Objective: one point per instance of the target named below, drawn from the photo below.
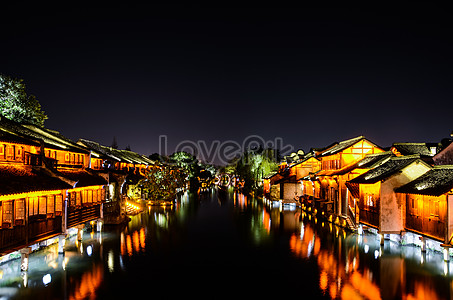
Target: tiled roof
(435, 182)
(338, 147)
(52, 139)
(11, 137)
(270, 175)
(117, 154)
(22, 179)
(82, 178)
(415, 148)
(303, 159)
(386, 169)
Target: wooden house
(56, 151)
(350, 172)
(18, 150)
(335, 172)
(379, 206)
(31, 205)
(429, 204)
(39, 171)
(119, 162)
(294, 185)
(101, 157)
(287, 182)
(86, 197)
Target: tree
(195, 170)
(162, 182)
(253, 165)
(16, 105)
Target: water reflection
(357, 267)
(213, 238)
(88, 283)
(133, 242)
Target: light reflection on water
(221, 234)
(358, 267)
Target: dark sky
(307, 76)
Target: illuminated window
(2, 149)
(84, 197)
(371, 202)
(31, 206)
(19, 210)
(95, 196)
(58, 204)
(50, 205)
(35, 205)
(7, 209)
(66, 157)
(9, 151)
(90, 196)
(78, 199)
(42, 205)
(19, 153)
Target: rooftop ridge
(440, 167)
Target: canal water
(215, 245)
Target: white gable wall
(392, 207)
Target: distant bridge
(226, 180)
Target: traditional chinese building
(125, 167)
(429, 204)
(379, 206)
(338, 163)
(40, 170)
(32, 204)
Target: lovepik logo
(224, 152)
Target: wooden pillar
(61, 243)
(446, 251)
(423, 239)
(80, 232)
(99, 224)
(24, 254)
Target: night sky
(307, 76)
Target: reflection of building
(354, 267)
(355, 182)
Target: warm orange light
(88, 284)
(142, 238)
(136, 241)
(323, 281)
(30, 194)
(129, 245)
